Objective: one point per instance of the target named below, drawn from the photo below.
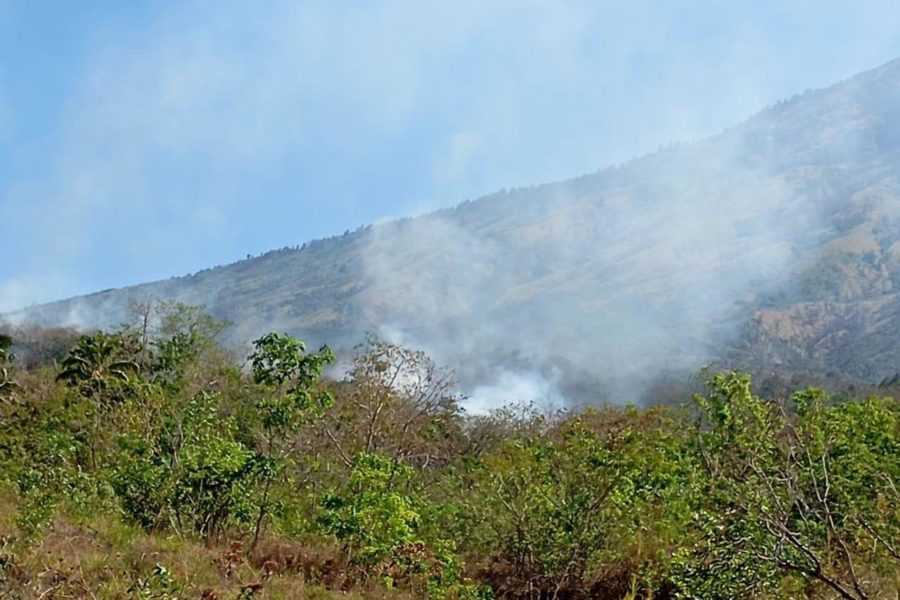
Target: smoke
(183, 137)
(19, 292)
(14, 294)
(201, 135)
(594, 289)
(515, 388)
(585, 291)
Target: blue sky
(140, 140)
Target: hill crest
(774, 245)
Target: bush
(808, 496)
(554, 515)
(193, 474)
(398, 493)
(372, 516)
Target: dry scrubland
(149, 463)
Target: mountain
(773, 246)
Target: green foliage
(810, 495)
(290, 399)
(51, 478)
(556, 511)
(141, 481)
(100, 366)
(5, 348)
(193, 474)
(186, 333)
(172, 356)
(7, 385)
(160, 584)
(281, 364)
(381, 522)
(192, 322)
(195, 470)
(740, 498)
(372, 517)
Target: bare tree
(141, 313)
(396, 402)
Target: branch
(337, 445)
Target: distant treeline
(323, 243)
(149, 462)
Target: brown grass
(105, 559)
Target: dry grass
(105, 559)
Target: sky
(141, 140)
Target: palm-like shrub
(98, 366)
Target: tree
(552, 514)
(373, 516)
(172, 336)
(398, 403)
(142, 313)
(811, 495)
(192, 472)
(382, 520)
(98, 366)
(178, 318)
(101, 369)
(290, 398)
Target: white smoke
(508, 388)
(605, 281)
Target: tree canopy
(269, 478)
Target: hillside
(774, 245)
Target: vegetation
(147, 463)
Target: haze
(143, 141)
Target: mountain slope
(774, 246)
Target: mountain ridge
(778, 106)
(772, 245)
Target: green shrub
(372, 516)
(193, 474)
(810, 496)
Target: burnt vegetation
(150, 462)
